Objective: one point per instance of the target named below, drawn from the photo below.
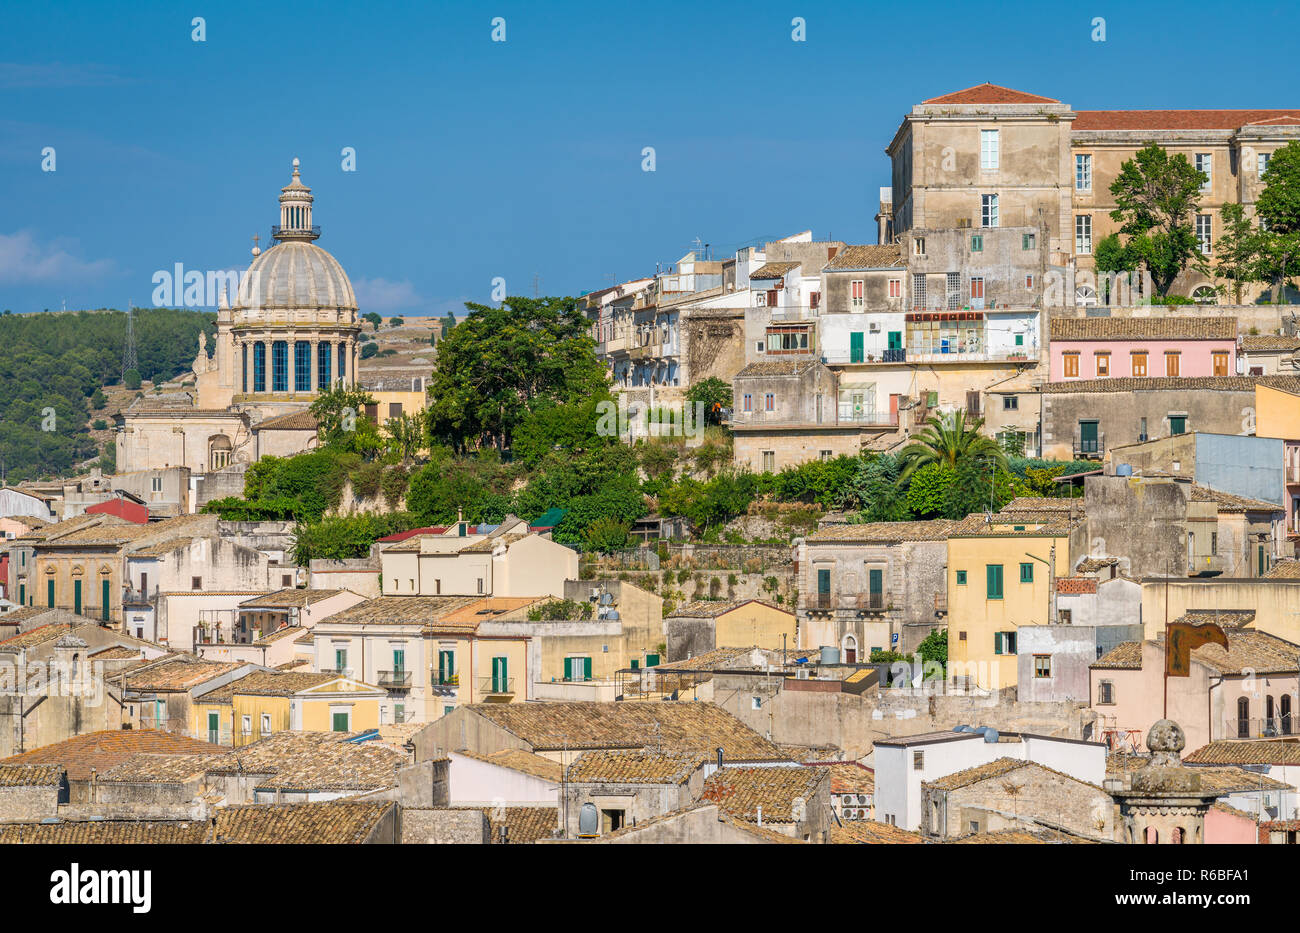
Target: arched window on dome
(280, 366)
(259, 367)
(343, 362)
(302, 366)
(243, 369)
(324, 353)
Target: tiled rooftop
(288, 599)
(870, 832)
(606, 767)
(884, 532)
(33, 775)
(715, 608)
(105, 832)
(178, 674)
(524, 825)
(516, 759)
(315, 761)
(847, 777)
(335, 822)
(990, 94)
(1144, 328)
(742, 791)
(866, 256)
(102, 751)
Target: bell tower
(295, 211)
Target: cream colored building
(291, 332)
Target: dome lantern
(295, 211)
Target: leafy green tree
(369, 350)
(373, 319)
(131, 379)
(1237, 251)
(341, 422)
(977, 485)
(396, 321)
(934, 648)
(1278, 206)
(569, 427)
(715, 394)
(949, 439)
(501, 363)
(346, 537)
(877, 490)
(927, 490)
(606, 534)
(1110, 258)
(407, 435)
(1156, 196)
(98, 400)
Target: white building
(904, 764)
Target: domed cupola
(295, 211)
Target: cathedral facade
(290, 333)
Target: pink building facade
(1142, 347)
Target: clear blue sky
(478, 159)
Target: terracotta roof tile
(870, 832)
(1155, 384)
(884, 532)
(516, 759)
(524, 825)
(105, 832)
(990, 94)
(288, 599)
(101, 751)
(867, 256)
(773, 270)
(847, 777)
(14, 775)
(1266, 343)
(1144, 328)
(603, 767)
(742, 791)
(1248, 752)
(1177, 119)
(716, 608)
(315, 761)
(335, 822)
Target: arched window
(1286, 714)
(1270, 723)
(1151, 837)
(259, 367)
(850, 646)
(1085, 295)
(1205, 295)
(1178, 836)
(1243, 717)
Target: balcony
(1266, 728)
(139, 599)
(940, 603)
(785, 315)
(216, 634)
(848, 414)
(1090, 448)
(395, 680)
(860, 602)
(496, 686)
(439, 679)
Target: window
(301, 366)
(760, 299)
(340, 659)
(857, 293)
(977, 243)
(1139, 358)
(961, 636)
(1026, 573)
(1070, 364)
(756, 702)
(341, 721)
(1010, 403)
(961, 578)
(895, 288)
(259, 367)
(1243, 717)
(1261, 162)
(480, 584)
(266, 724)
(1083, 234)
(769, 402)
(1204, 229)
(1205, 163)
(1214, 542)
(988, 150)
(196, 583)
(1171, 362)
(1029, 281)
(155, 483)
(748, 402)
(286, 580)
(1028, 241)
(1004, 642)
(769, 461)
(247, 723)
(826, 454)
(1082, 172)
(918, 290)
(1103, 365)
(993, 580)
(1042, 665)
(977, 291)
(918, 761)
(279, 366)
(324, 354)
(1220, 361)
(918, 246)
(1106, 693)
(758, 346)
(394, 409)
(1177, 424)
(988, 210)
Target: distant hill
(56, 360)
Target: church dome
(293, 275)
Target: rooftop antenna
(537, 280)
(129, 361)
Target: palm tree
(950, 439)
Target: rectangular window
(340, 659)
(895, 288)
(1029, 282)
(857, 349)
(259, 367)
(1106, 693)
(1028, 241)
(1004, 642)
(339, 722)
(1205, 163)
(1010, 403)
(1082, 172)
(1103, 365)
(196, 583)
(918, 246)
(988, 150)
(1261, 162)
(977, 243)
(266, 724)
(993, 579)
(748, 402)
(977, 291)
(1026, 573)
(1177, 424)
(1220, 360)
(769, 402)
(988, 210)
(1070, 364)
(324, 356)
(1139, 358)
(961, 578)
(918, 290)
(769, 461)
(1083, 234)
(1042, 665)
(1171, 362)
(857, 293)
(1204, 233)
(918, 760)
(954, 290)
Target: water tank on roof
(588, 821)
(990, 734)
(962, 728)
(1124, 469)
(830, 655)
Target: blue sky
(478, 159)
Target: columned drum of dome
(323, 365)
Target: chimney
(719, 757)
(503, 834)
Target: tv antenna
(129, 361)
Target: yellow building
(266, 702)
(704, 625)
(1001, 576)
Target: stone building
(607, 790)
(990, 156)
(877, 586)
(1163, 802)
(290, 333)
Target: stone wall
(1007, 801)
(440, 826)
(28, 804)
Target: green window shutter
(855, 346)
(22, 594)
(651, 660)
(1026, 573)
(823, 583)
(586, 668)
(994, 580)
(961, 578)
(635, 664)
(49, 591)
(568, 668)
(997, 642)
(340, 722)
(103, 599)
